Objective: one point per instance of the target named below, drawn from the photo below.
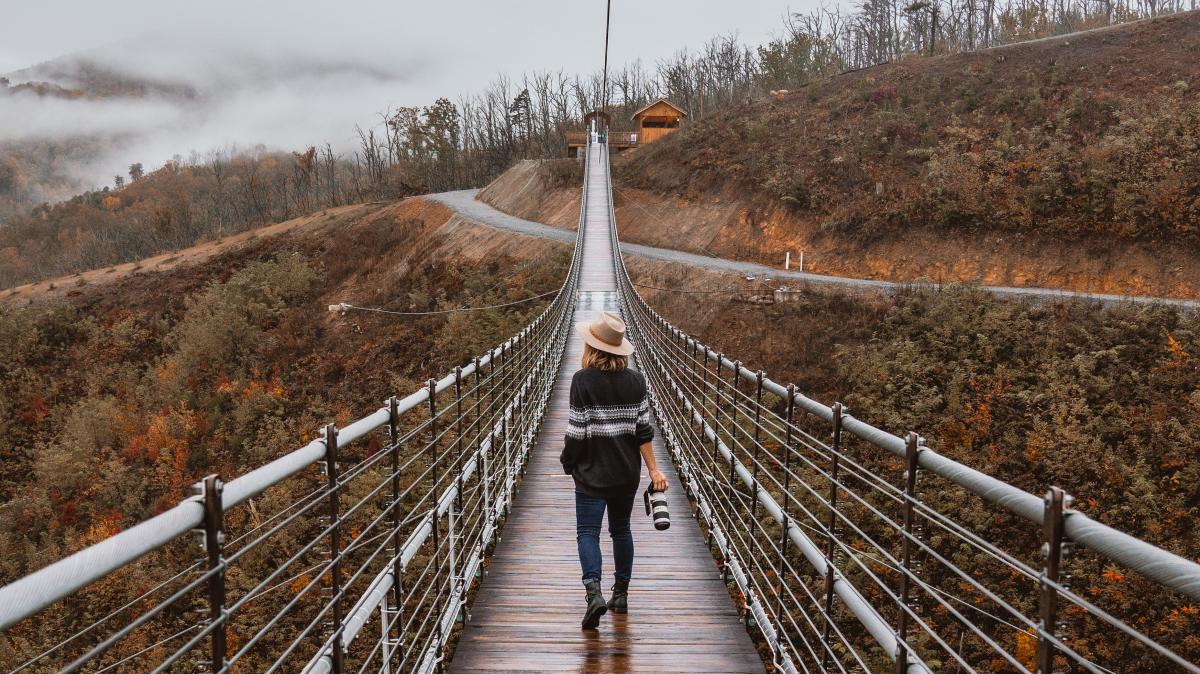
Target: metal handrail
(376, 596)
(696, 412)
(488, 427)
(36, 591)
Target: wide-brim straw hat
(606, 333)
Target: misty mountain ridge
(170, 66)
(81, 77)
(73, 123)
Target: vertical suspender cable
(604, 85)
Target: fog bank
(287, 75)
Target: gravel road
(464, 203)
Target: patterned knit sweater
(609, 422)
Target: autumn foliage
(1102, 402)
(119, 399)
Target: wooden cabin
(657, 120)
(650, 123)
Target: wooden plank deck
(526, 615)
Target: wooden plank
(526, 615)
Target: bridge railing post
(831, 523)
(485, 474)
(505, 375)
(456, 505)
(785, 525)
(397, 540)
(384, 637)
(518, 399)
(704, 382)
(1057, 503)
(435, 461)
(214, 542)
(490, 415)
(694, 365)
(758, 404)
(335, 546)
(733, 424)
(911, 453)
(508, 473)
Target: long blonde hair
(603, 360)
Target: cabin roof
(597, 113)
(664, 102)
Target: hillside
(1072, 162)
(236, 323)
(172, 208)
(223, 358)
(1102, 402)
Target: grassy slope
(1095, 133)
(1071, 163)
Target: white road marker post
(787, 261)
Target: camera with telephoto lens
(656, 506)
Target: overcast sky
(460, 44)
(290, 73)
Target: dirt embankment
(528, 190)
(745, 226)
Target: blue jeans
(589, 512)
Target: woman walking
(608, 437)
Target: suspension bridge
(434, 535)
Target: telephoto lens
(656, 506)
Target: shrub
(561, 172)
(224, 324)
